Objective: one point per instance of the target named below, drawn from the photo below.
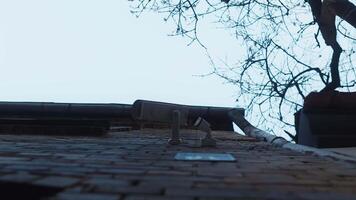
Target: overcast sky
(97, 51)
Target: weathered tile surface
(140, 165)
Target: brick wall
(140, 165)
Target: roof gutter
(261, 135)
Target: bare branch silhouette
(282, 57)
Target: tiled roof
(140, 165)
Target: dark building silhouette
(126, 155)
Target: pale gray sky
(97, 51)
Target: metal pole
(175, 139)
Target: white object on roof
(205, 157)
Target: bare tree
(324, 14)
(284, 59)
